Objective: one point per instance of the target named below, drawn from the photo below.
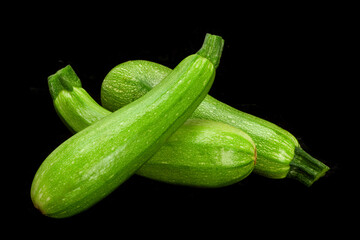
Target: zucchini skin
(94, 162)
(201, 153)
(276, 147)
(77, 109)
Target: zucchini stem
(212, 48)
(305, 168)
(63, 79)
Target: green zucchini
(201, 153)
(75, 107)
(279, 152)
(94, 162)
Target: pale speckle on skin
(93, 177)
(225, 157)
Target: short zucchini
(94, 162)
(279, 152)
(201, 153)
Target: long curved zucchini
(201, 153)
(94, 162)
(279, 152)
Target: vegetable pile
(161, 124)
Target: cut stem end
(305, 168)
(212, 48)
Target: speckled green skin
(92, 163)
(201, 153)
(275, 146)
(77, 109)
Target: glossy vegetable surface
(94, 162)
(276, 147)
(201, 153)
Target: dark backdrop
(288, 64)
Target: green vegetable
(201, 153)
(72, 103)
(279, 153)
(94, 162)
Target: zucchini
(94, 162)
(75, 107)
(279, 152)
(201, 153)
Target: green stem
(64, 79)
(305, 168)
(212, 48)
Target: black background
(291, 61)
